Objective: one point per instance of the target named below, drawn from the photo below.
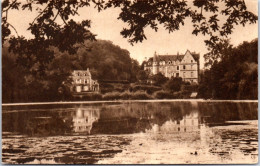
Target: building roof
(171, 58)
(87, 72)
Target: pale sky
(107, 27)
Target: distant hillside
(105, 60)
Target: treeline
(105, 60)
(234, 75)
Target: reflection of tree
(36, 123)
(227, 111)
(46, 126)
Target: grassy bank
(127, 95)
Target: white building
(185, 66)
(82, 81)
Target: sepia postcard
(129, 82)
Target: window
(177, 74)
(184, 67)
(78, 74)
(191, 61)
(183, 74)
(191, 74)
(177, 67)
(169, 62)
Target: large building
(82, 81)
(185, 66)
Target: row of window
(169, 62)
(184, 67)
(85, 81)
(79, 74)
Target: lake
(131, 132)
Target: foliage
(106, 61)
(158, 79)
(174, 84)
(140, 95)
(172, 14)
(112, 96)
(55, 26)
(147, 88)
(163, 95)
(234, 76)
(142, 76)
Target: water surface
(172, 132)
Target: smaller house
(82, 82)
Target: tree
(174, 84)
(142, 76)
(158, 79)
(234, 75)
(65, 35)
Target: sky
(107, 27)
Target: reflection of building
(84, 118)
(185, 66)
(82, 81)
(189, 123)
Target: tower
(155, 63)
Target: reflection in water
(189, 123)
(188, 132)
(84, 118)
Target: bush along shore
(127, 95)
(134, 91)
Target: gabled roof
(87, 72)
(194, 55)
(172, 57)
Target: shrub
(140, 95)
(126, 95)
(148, 88)
(111, 96)
(191, 88)
(163, 95)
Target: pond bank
(122, 101)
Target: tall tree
(234, 75)
(47, 31)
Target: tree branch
(9, 6)
(39, 14)
(63, 19)
(13, 28)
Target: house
(82, 82)
(185, 66)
